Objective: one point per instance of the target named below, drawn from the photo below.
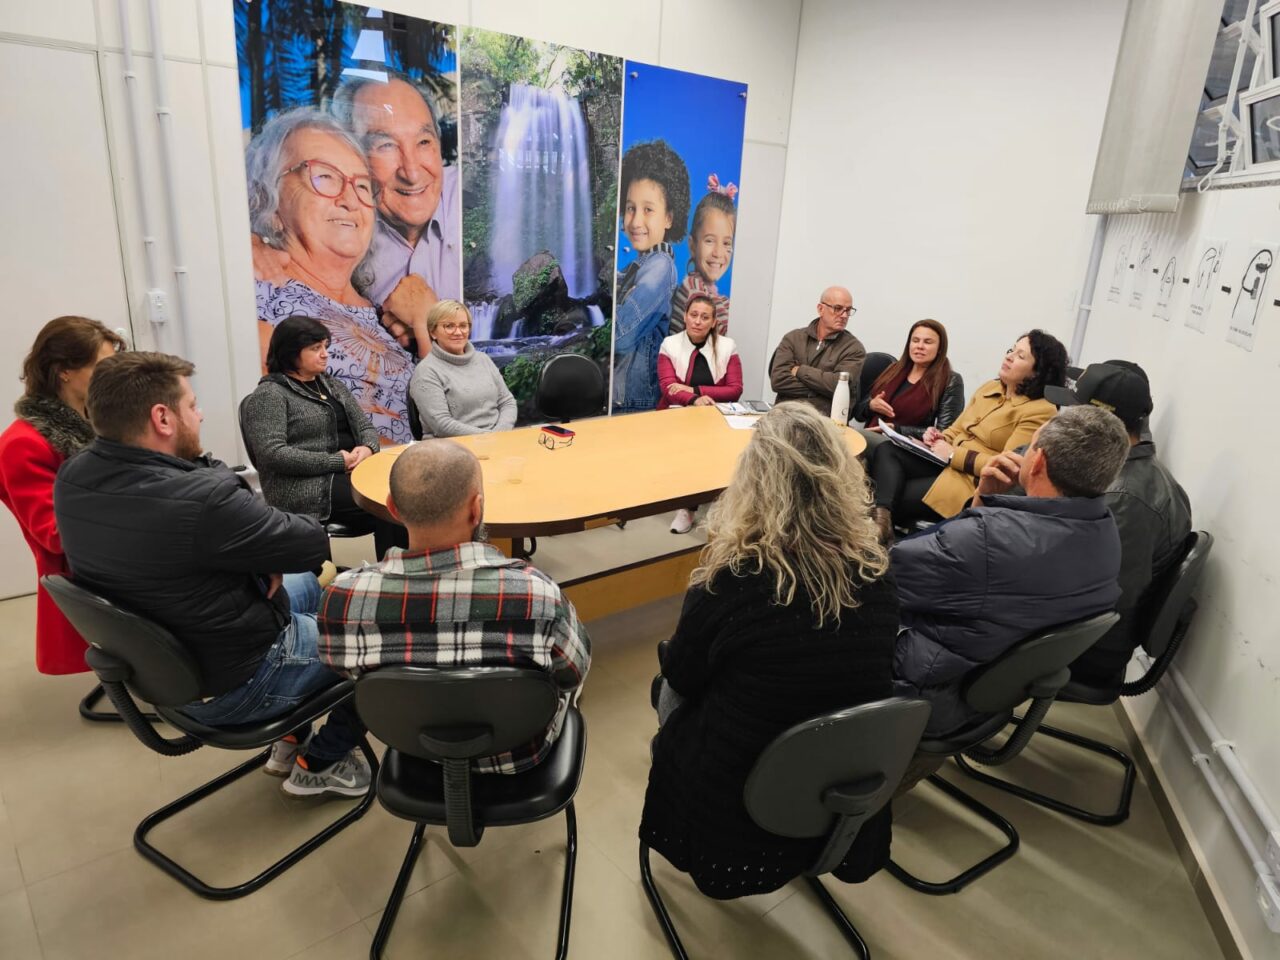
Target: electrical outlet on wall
(157, 306)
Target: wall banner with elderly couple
(393, 163)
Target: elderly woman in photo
(312, 199)
(303, 428)
(457, 389)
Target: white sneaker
(682, 522)
(283, 752)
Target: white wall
(1212, 425)
(80, 246)
(946, 153)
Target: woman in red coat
(50, 427)
(697, 366)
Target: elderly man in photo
(808, 362)
(451, 599)
(1007, 566)
(415, 256)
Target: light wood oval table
(617, 468)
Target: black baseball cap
(1118, 386)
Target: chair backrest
(826, 776)
(161, 671)
(244, 434)
(1165, 604)
(1036, 667)
(456, 714)
(874, 365)
(570, 386)
(411, 410)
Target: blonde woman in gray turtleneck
(458, 390)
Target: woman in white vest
(697, 366)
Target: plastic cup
(482, 446)
(514, 469)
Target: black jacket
(749, 669)
(1153, 515)
(187, 544)
(944, 413)
(973, 586)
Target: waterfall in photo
(542, 188)
(596, 314)
(482, 316)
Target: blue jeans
(289, 673)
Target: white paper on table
(741, 423)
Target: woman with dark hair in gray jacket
(304, 430)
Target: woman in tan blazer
(1003, 415)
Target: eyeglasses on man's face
(329, 182)
(840, 311)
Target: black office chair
(362, 528)
(435, 722)
(134, 656)
(874, 365)
(1034, 670)
(415, 420)
(822, 778)
(1168, 613)
(570, 387)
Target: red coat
(28, 465)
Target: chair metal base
(986, 865)
(198, 886)
(411, 857)
(673, 938)
(89, 711)
(1116, 816)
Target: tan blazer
(991, 424)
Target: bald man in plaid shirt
(451, 599)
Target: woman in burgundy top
(697, 367)
(918, 391)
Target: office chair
(136, 657)
(570, 387)
(435, 723)
(874, 365)
(822, 778)
(1168, 612)
(411, 410)
(1035, 670)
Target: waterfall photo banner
(679, 187)
(541, 129)
(350, 118)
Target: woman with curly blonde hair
(789, 615)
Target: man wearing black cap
(1152, 511)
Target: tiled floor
(72, 886)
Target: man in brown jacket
(808, 362)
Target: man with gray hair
(451, 599)
(415, 256)
(973, 586)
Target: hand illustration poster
(1166, 288)
(1206, 269)
(1249, 296)
(1141, 273)
(1119, 267)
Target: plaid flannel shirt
(466, 606)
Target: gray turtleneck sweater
(459, 395)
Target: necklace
(312, 387)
